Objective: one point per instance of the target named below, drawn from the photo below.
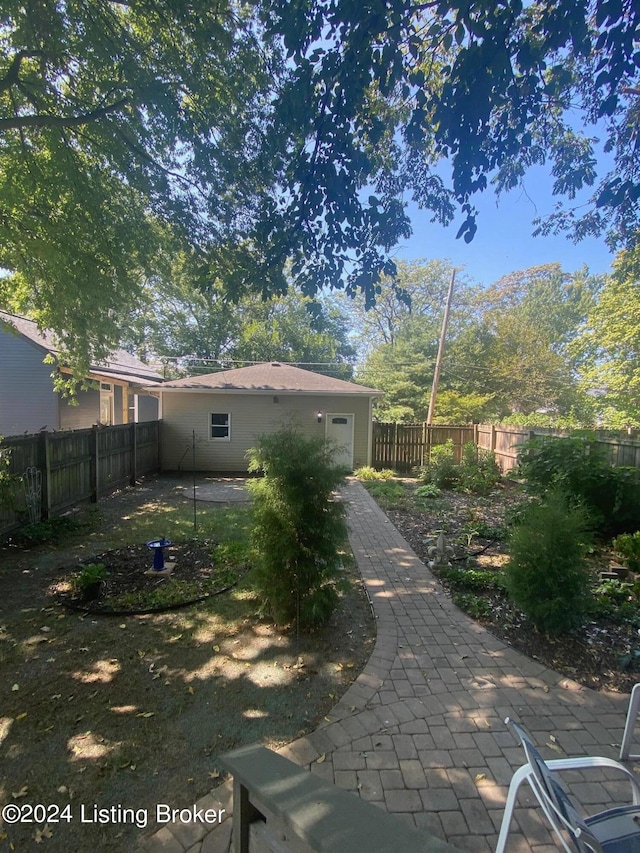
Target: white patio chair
(629, 726)
(614, 830)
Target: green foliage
(442, 469)
(429, 490)
(547, 574)
(119, 119)
(367, 473)
(473, 580)
(488, 531)
(8, 482)
(389, 495)
(89, 575)
(615, 601)
(299, 527)
(474, 605)
(579, 465)
(627, 545)
(610, 344)
(53, 530)
(477, 472)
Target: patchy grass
(136, 710)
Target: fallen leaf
(555, 747)
(21, 793)
(21, 716)
(213, 774)
(146, 714)
(15, 687)
(479, 777)
(191, 690)
(321, 758)
(122, 625)
(216, 648)
(40, 834)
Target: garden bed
(600, 655)
(130, 584)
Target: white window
(106, 403)
(220, 426)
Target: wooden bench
(282, 808)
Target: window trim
(226, 437)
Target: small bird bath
(158, 546)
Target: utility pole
(443, 335)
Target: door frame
(353, 429)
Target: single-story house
(228, 410)
(29, 403)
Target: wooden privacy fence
(404, 447)
(622, 449)
(80, 465)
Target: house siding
(251, 415)
(27, 400)
(82, 415)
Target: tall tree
(269, 132)
(610, 344)
(115, 117)
(193, 330)
(519, 350)
(399, 337)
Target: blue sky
(503, 241)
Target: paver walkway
(421, 731)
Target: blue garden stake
(158, 546)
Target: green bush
(547, 574)
(442, 469)
(429, 490)
(299, 527)
(627, 545)
(479, 471)
(579, 465)
(389, 495)
(474, 605)
(368, 473)
(472, 579)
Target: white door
(340, 430)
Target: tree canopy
(272, 132)
(511, 349)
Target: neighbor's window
(221, 426)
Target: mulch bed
(127, 573)
(591, 656)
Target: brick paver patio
(421, 732)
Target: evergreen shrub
(299, 527)
(547, 575)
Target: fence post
(492, 438)
(45, 500)
(134, 454)
(95, 497)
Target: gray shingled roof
(270, 377)
(119, 365)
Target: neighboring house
(227, 411)
(28, 402)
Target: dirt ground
(590, 655)
(130, 711)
